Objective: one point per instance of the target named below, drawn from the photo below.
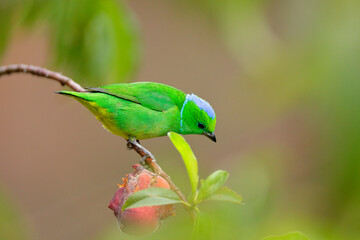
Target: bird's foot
(131, 143)
(144, 163)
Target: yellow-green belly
(131, 120)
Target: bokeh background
(282, 75)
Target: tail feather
(82, 95)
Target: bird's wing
(156, 96)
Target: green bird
(145, 110)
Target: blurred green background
(283, 77)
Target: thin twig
(42, 72)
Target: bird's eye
(200, 125)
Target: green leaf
(5, 26)
(225, 194)
(96, 43)
(288, 236)
(32, 13)
(189, 159)
(151, 197)
(202, 227)
(112, 42)
(11, 223)
(212, 184)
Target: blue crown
(201, 103)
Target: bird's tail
(89, 100)
(78, 95)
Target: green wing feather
(155, 96)
(139, 110)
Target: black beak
(211, 136)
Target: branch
(41, 72)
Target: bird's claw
(143, 162)
(131, 143)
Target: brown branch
(41, 72)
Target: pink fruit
(142, 220)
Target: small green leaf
(31, 13)
(288, 236)
(5, 26)
(151, 197)
(212, 184)
(97, 43)
(189, 159)
(11, 226)
(225, 194)
(202, 227)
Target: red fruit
(142, 220)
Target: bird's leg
(144, 163)
(143, 159)
(147, 154)
(129, 145)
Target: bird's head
(197, 117)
